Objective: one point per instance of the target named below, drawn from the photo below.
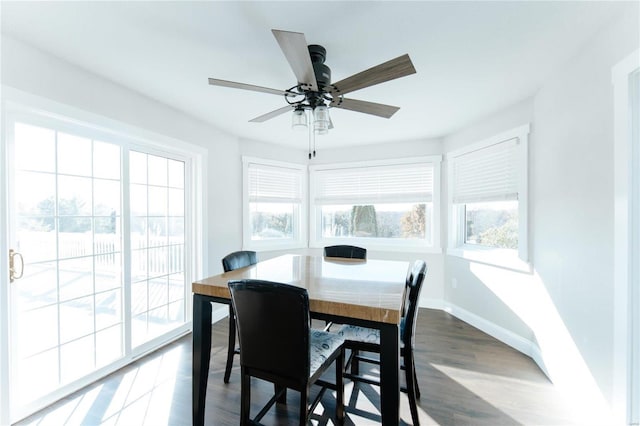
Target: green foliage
(503, 236)
(71, 217)
(388, 224)
(281, 222)
(413, 222)
(363, 221)
(339, 223)
(493, 228)
(270, 225)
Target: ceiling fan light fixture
(321, 120)
(314, 88)
(299, 119)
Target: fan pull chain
(313, 132)
(310, 126)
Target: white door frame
(626, 398)
(4, 276)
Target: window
(488, 200)
(385, 204)
(273, 204)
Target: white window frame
(507, 258)
(386, 244)
(300, 231)
(22, 106)
(626, 356)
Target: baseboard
(519, 343)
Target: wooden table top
(365, 289)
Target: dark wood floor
(466, 378)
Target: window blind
(272, 184)
(374, 184)
(486, 174)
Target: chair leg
(340, 388)
(415, 379)
(231, 348)
(355, 364)
(410, 376)
(245, 399)
(282, 392)
(304, 408)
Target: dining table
(367, 293)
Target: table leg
(201, 355)
(389, 374)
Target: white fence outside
(163, 255)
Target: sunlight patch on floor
(85, 403)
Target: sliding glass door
(66, 216)
(157, 245)
(97, 242)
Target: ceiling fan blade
(381, 110)
(294, 47)
(271, 114)
(390, 70)
(235, 85)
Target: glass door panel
(67, 220)
(67, 308)
(158, 245)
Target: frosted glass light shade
(321, 120)
(299, 120)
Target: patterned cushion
(360, 334)
(364, 334)
(321, 345)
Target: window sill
(273, 246)
(502, 258)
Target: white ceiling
(472, 58)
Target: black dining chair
(233, 261)
(239, 259)
(362, 339)
(278, 345)
(345, 251)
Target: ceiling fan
(314, 91)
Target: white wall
(573, 249)
(566, 306)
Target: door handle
(13, 273)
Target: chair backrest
(273, 327)
(413, 289)
(413, 270)
(346, 251)
(239, 259)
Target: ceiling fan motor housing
(322, 72)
